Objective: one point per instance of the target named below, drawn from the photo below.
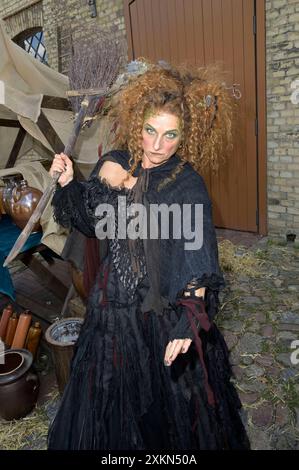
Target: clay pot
(19, 384)
(23, 201)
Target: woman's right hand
(64, 165)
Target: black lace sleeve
(75, 204)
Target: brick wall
(20, 15)
(9, 7)
(62, 21)
(282, 30)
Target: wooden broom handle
(38, 211)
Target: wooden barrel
(61, 337)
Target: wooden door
(204, 32)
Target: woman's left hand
(175, 347)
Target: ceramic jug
(23, 201)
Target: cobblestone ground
(260, 321)
(259, 318)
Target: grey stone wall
(282, 32)
(20, 15)
(62, 21)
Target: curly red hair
(194, 95)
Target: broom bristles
(95, 63)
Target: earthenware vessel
(19, 384)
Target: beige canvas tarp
(23, 82)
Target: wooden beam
(49, 133)
(45, 276)
(88, 91)
(55, 102)
(54, 140)
(35, 307)
(16, 148)
(9, 123)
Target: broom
(91, 66)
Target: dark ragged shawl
(170, 266)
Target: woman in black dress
(151, 369)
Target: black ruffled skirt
(121, 396)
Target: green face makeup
(170, 134)
(149, 113)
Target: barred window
(33, 42)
